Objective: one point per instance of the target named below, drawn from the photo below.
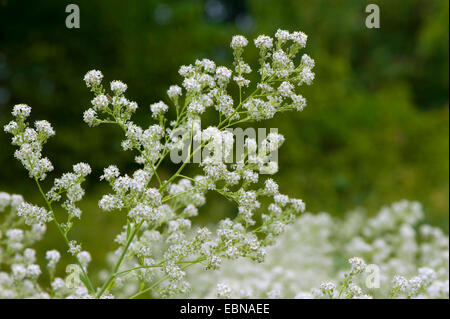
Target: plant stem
(88, 283)
(119, 262)
(163, 278)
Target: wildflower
(400, 284)
(223, 291)
(158, 109)
(34, 214)
(93, 78)
(239, 41)
(157, 239)
(53, 257)
(282, 35)
(100, 102)
(223, 75)
(5, 199)
(174, 92)
(415, 284)
(90, 117)
(44, 129)
(74, 247)
(263, 42)
(299, 38)
(271, 187)
(307, 61)
(21, 111)
(328, 287)
(118, 87)
(84, 257)
(298, 205)
(298, 101)
(285, 89)
(427, 275)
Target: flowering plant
(157, 243)
(400, 256)
(305, 256)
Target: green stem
(190, 263)
(119, 262)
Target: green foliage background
(376, 128)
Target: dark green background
(375, 130)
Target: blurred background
(376, 128)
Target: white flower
(307, 61)
(19, 272)
(328, 287)
(208, 65)
(225, 105)
(271, 187)
(58, 284)
(174, 92)
(358, 265)
(110, 202)
(100, 102)
(84, 258)
(74, 247)
(223, 75)
(263, 42)
(158, 109)
(239, 42)
(90, 117)
(282, 35)
(427, 275)
(157, 240)
(250, 176)
(118, 87)
(196, 107)
(299, 37)
(241, 81)
(33, 271)
(5, 199)
(29, 256)
(306, 76)
(93, 78)
(21, 111)
(53, 257)
(286, 89)
(34, 214)
(15, 235)
(44, 129)
(223, 291)
(298, 205)
(186, 71)
(273, 141)
(192, 85)
(82, 169)
(298, 101)
(110, 173)
(415, 284)
(11, 127)
(281, 199)
(400, 283)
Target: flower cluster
(164, 211)
(30, 141)
(308, 260)
(16, 238)
(70, 185)
(159, 241)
